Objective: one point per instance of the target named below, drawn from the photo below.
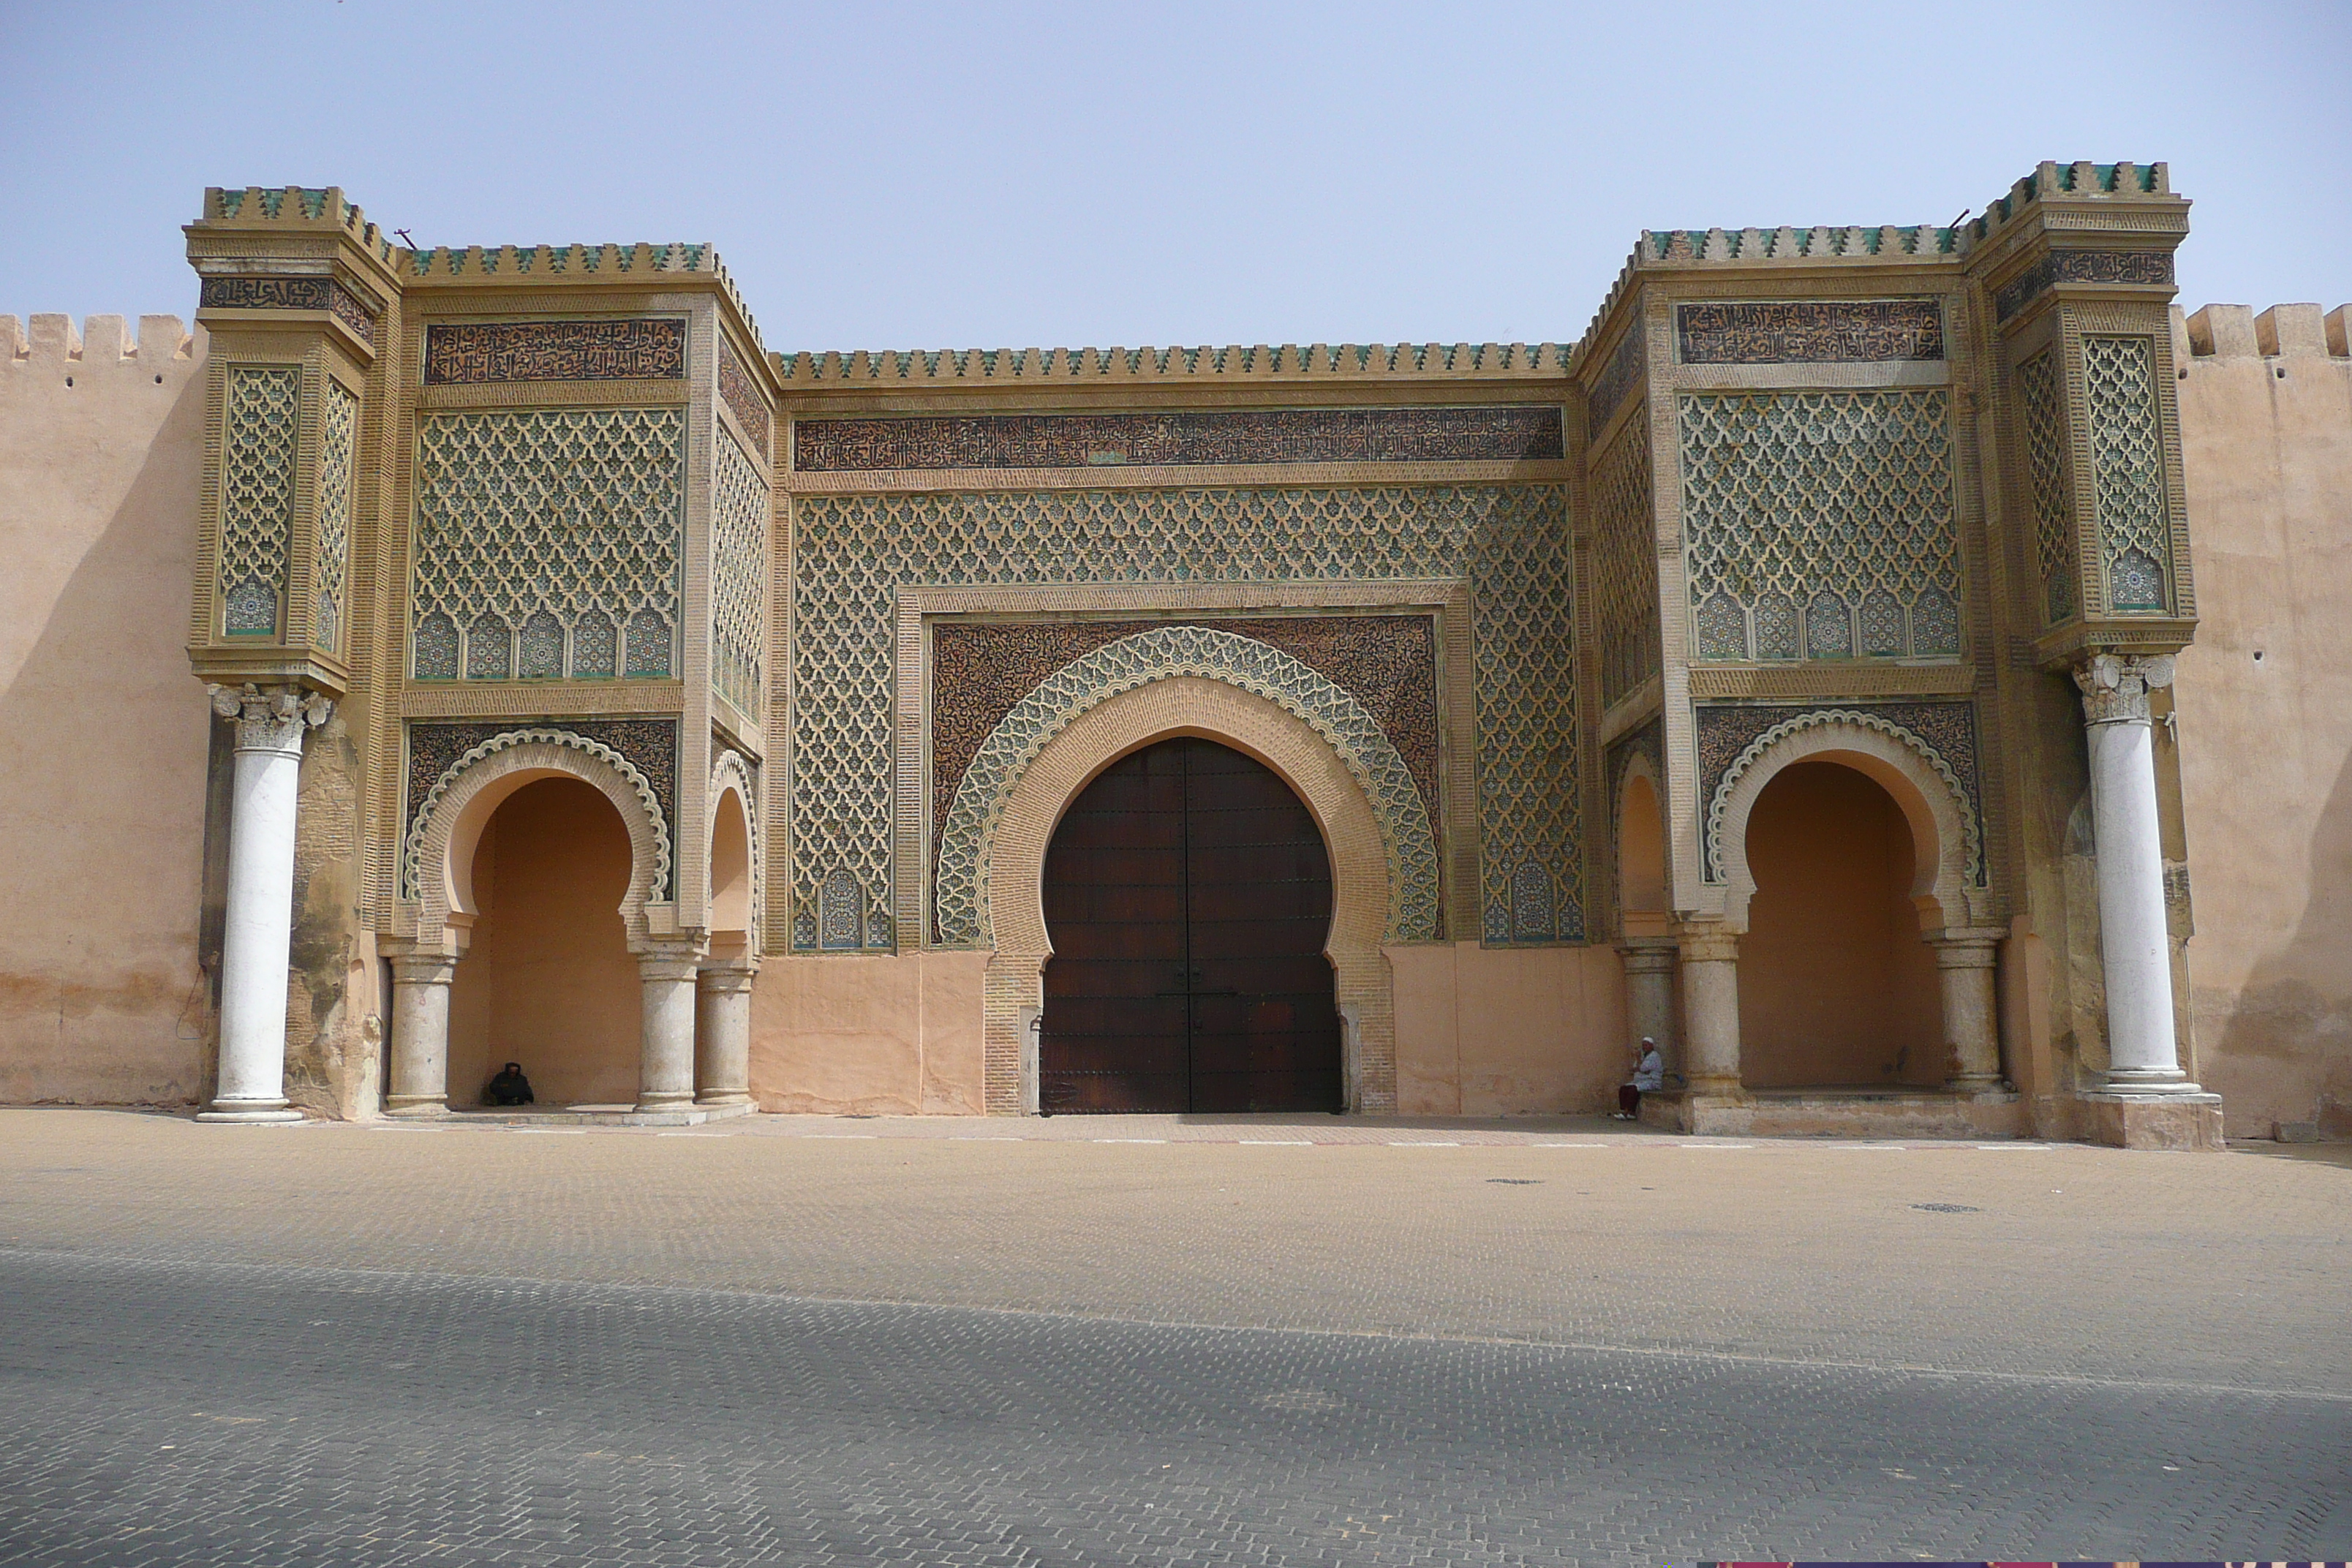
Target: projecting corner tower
(510, 509)
(1879, 496)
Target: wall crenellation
(306, 206)
(1235, 362)
(573, 261)
(53, 340)
(2123, 182)
(2283, 332)
(311, 206)
(2119, 181)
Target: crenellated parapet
(99, 347)
(1258, 363)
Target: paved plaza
(1157, 1340)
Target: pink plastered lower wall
(1507, 1031)
(882, 1036)
(103, 734)
(2263, 701)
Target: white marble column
(1964, 964)
(2135, 946)
(665, 1049)
(722, 1033)
(260, 916)
(1650, 997)
(420, 1031)
(1710, 965)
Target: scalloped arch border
(412, 855)
(1971, 837)
(1164, 653)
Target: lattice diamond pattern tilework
(1145, 656)
(338, 434)
(256, 505)
(739, 554)
(1817, 500)
(2127, 469)
(1625, 563)
(2045, 459)
(578, 514)
(1528, 788)
(853, 551)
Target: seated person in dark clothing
(509, 1088)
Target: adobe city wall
(2264, 700)
(102, 734)
(103, 743)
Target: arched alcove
(730, 867)
(1837, 988)
(1643, 900)
(547, 979)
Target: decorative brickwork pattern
(1816, 504)
(739, 571)
(1616, 379)
(1732, 736)
(2128, 470)
(741, 397)
(289, 294)
(961, 892)
(256, 505)
(853, 551)
(577, 514)
(1179, 437)
(1625, 563)
(2152, 267)
(438, 753)
(1810, 331)
(338, 435)
(979, 671)
(466, 354)
(1529, 787)
(2044, 413)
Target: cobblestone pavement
(765, 1344)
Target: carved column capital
(1656, 957)
(671, 958)
(723, 979)
(1967, 949)
(1710, 944)
(2115, 687)
(423, 968)
(271, 719)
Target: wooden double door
(1188, 895)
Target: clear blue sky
(1124, 174)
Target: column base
(1698, 1110)
(413, 1107)
(248, 1110)
(2148, 1083)
(2190, 1122)
(724, 1097)
(659, 1102)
